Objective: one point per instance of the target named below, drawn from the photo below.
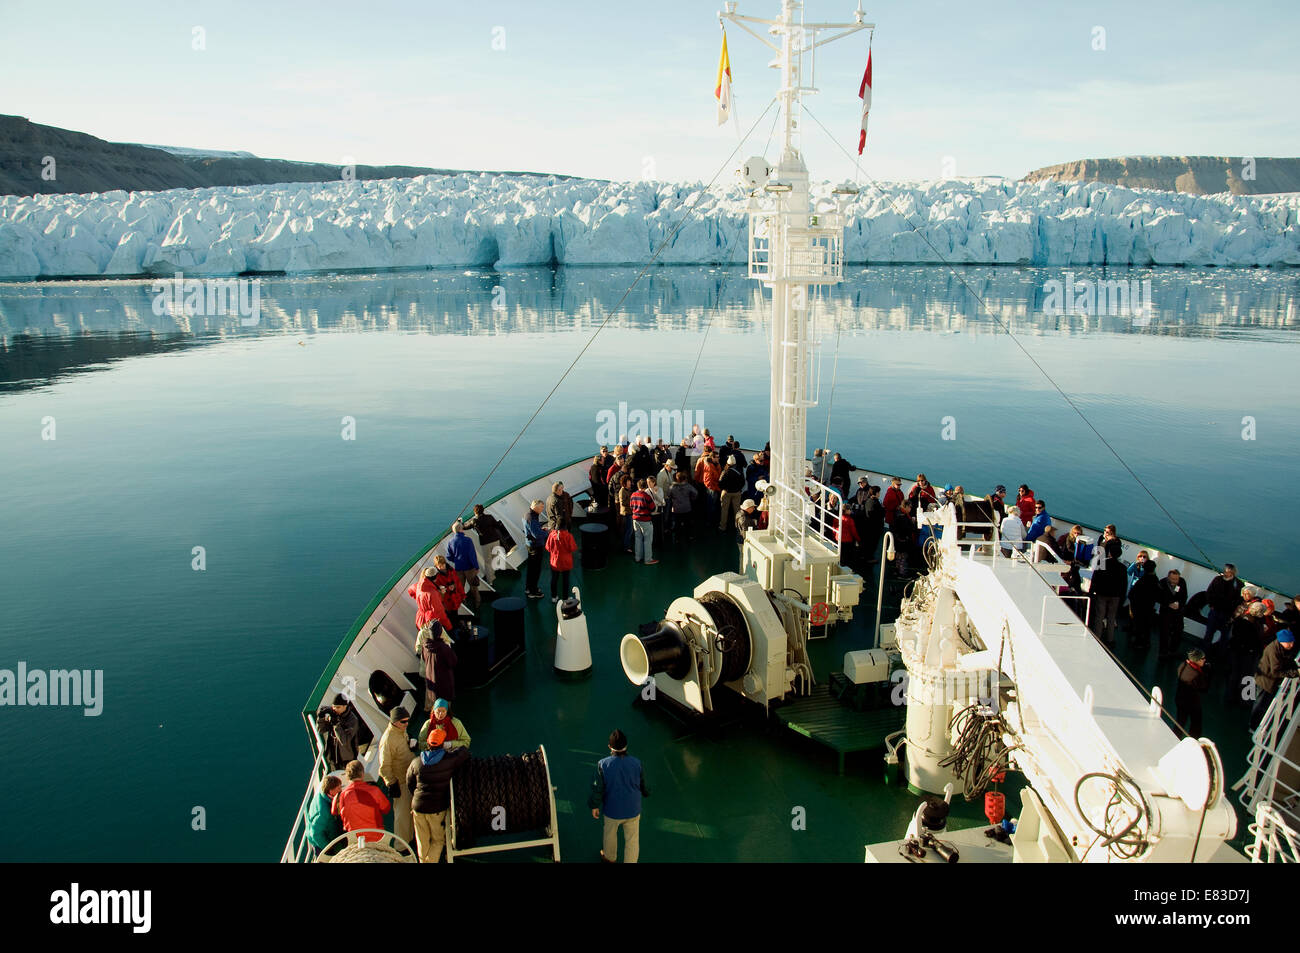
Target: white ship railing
(298, 850)
(1263, 787)
(1275, 842)
(814, 254)
(803, 518)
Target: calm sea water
(172, 433)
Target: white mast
(791, 250)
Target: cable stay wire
(911, 220)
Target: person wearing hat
(339, 727)
(746, 520)
(535, 536)
(1277, 663)
(616, 791)
(731, 485)
(395, 757)
(429, 606)
(428, 778)
(463, 556)
(1193, 682)
(441, 718)
(998, 501)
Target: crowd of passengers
(672, 494)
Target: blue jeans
(644, 534)
(1214, 624)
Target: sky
(625, 91)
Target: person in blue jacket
(1040, 523)
(535, 534)
(322, 825)
(464, 559)
(616, 791)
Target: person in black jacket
(1276, 663)
(1142, 606)
(904, 531)
(1106, 592)
(1223, 596)
(732, 485)
(1172, 596)
(339, 727)
(429, 780)
(840, 470)
(1193, 682)
(1244, 645)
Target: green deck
(831, 722)
(734, 786)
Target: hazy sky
(622, 90)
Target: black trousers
(560, 583)
(534, 570)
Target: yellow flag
(722, 90)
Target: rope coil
(513, 790)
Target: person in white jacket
(1013, 533)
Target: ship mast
(791, 251)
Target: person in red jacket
(428, 601)
(922, 495)
(893, 499)
(361, 805)
(848, 538)
(560, 544)
(448, 583)
(1027, 504)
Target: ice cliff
(484, 220)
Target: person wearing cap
(732, 486)
(893, 499)
(429, 606)
(322, 826)
(1277, 663)
(438, 661)
(616, 791)
(463, 557)
(998, 501)
(746, 520)
(339, 728)
(395, 756)
(455, 735)
(429, 780)
(1193, 682)
(535, 536)
(361, 806)
(664, 478)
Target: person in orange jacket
(448, 584)
(361, 805)
(561, 545)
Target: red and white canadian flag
(864, 93)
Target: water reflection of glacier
(51, 328)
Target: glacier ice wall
(484, 220)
